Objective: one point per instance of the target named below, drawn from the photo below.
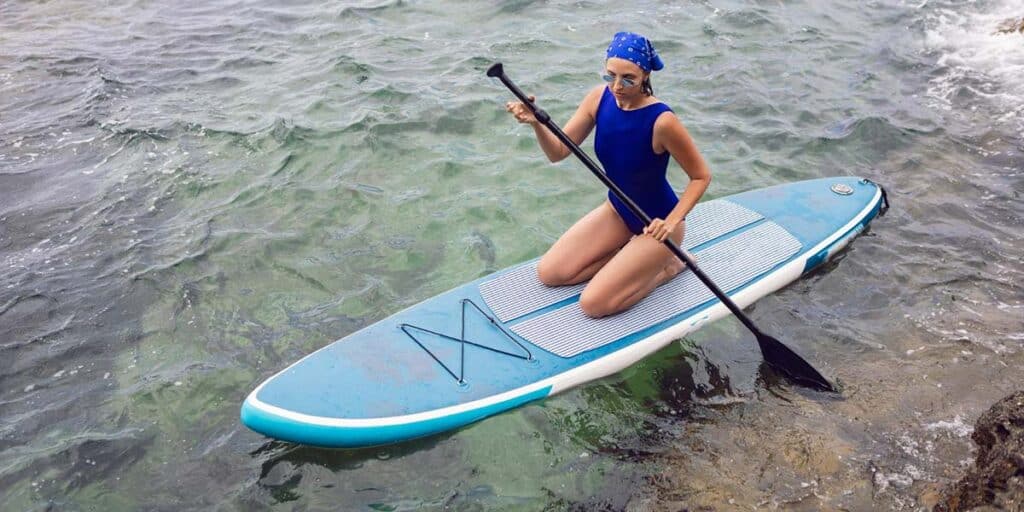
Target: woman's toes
(674, 268)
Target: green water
(192, 198)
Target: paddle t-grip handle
(498, 71)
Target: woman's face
(622, 70)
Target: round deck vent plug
(842, 189)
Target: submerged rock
(1010, 26)
(997, 478)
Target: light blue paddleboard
(409, 375)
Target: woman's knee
(595, 305)
(551, 273)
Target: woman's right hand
(521, 112)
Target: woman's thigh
(629, 276)
(582, 250)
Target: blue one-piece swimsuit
(623, 145)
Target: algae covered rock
(1011, 26)
(996, 482)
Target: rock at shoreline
(1011, 26)
(997, 478)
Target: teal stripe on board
(333, 436)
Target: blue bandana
(636, 49)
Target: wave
(349, 13)
(747, 18)
(978, 64)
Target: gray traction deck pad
(567, 332)
(519, 292)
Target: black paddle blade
(495, 70)
(783, 360)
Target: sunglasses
(626, 82)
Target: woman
(636, 133)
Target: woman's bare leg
(586, 247)
(631, 274)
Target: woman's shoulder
(668, 124)
(662, 106)
(597, 91)
(667, 117)
(594, 95)
(592, 100)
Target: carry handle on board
(775, 353)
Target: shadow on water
(679, 386)
(338, 459)
(283, 465)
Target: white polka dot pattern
(636, 49)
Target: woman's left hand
(661, 229)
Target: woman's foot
(673, 268)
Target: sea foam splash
(979, 60)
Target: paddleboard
(506, 339)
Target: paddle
(775, 353)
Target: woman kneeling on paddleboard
(636, 133)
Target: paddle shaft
(545, 119)
(775, 353)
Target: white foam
(978, 58)
(957, 427)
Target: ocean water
(194, 195)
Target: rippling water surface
(194, 196)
